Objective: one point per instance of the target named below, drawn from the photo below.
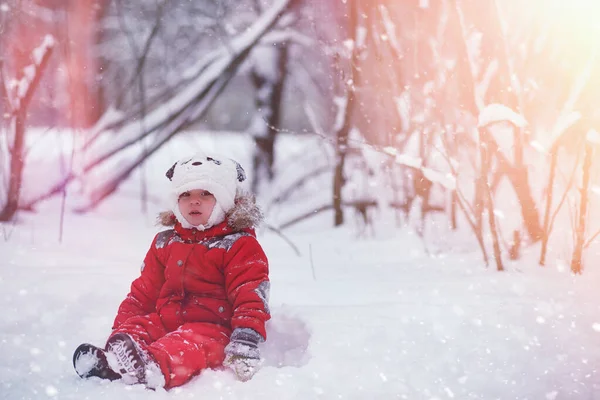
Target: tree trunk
(16, 155)
(453, 200)
(529, 212)
(343, 131)
(549, 198)
(338, 175)
(479, 200)
(269, 95)
(515, 248)
(576, 263)
(16, 170)
(487, 194)
(503, 91)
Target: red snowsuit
(195, 288)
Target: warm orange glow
(575, 22)
(67, 93)
(573, 12)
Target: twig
(5, 232)
(285, 238)
(463, 203)
(39, 140)
(63, 197)
(146, 49)
(564, 196)
(589, 242)
(286, 193)
(312, 264)
(455, 174)
(549, 198)
(323, 208)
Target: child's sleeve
(247, 284)
(145, 290)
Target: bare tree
(489, 200)
(19, 102)
(549, 215)
(210, 83)
(348, 80)
(503, 91)
(268, 76)
(576, 261)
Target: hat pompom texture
(219, 175)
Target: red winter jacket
(219, 276)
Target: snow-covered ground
(376, 317)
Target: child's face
(196, 206)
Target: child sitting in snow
(201, 299)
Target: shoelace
(124, 356)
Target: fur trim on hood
(244, 214)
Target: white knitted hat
(217, 174)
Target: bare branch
(181, 121)
(564, 196)
(591, 240)
(4, 95)
(323, 208)
(464, 204)
(27, 86)
(286, 193)
(188, 106)
(145, 50)
(285, 238)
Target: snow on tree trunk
(24, 90)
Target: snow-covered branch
(23, 89)
(23, 93)
(445, 180)
(232, 55)
(496, 113)
(181, 110)
(390, 30)
(130, 163)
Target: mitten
(242, 355)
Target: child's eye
(205, 193)
(184, 194)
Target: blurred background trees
(465, 114)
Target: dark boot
(90, 360)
